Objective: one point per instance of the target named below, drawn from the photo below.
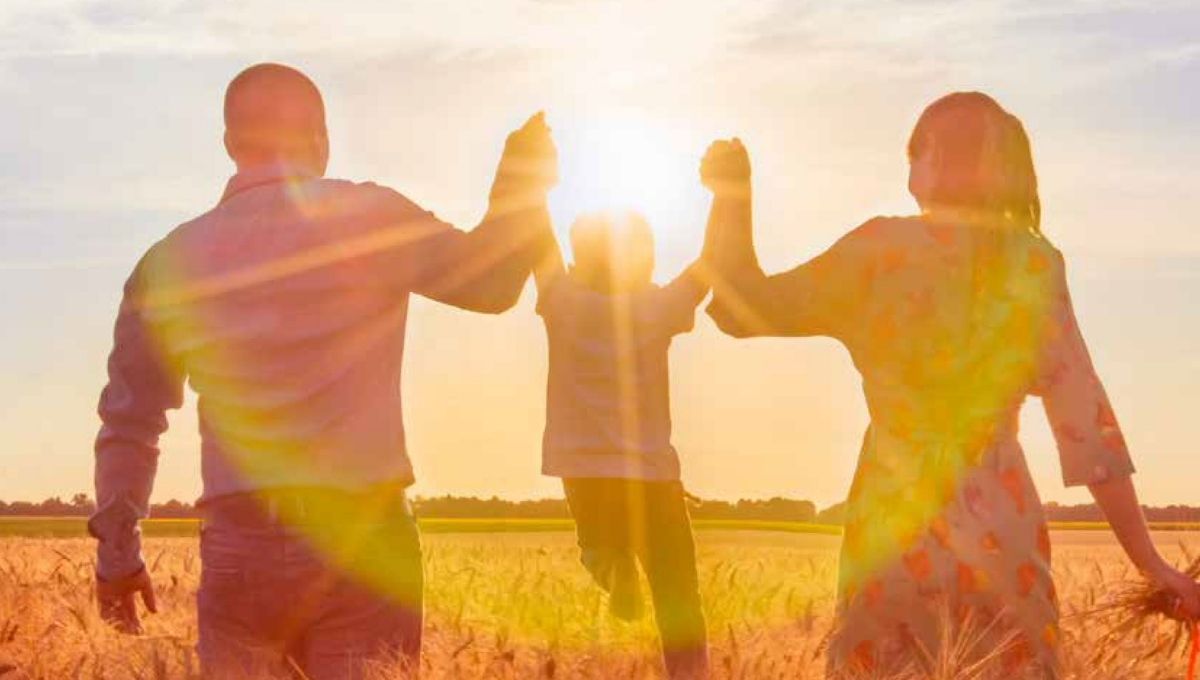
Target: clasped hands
(529, 165)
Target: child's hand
(726, 166)
(530, 160)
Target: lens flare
(632, 163)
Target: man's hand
(530, 160)
(726, 167)
(117, 600)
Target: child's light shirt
(608, 411)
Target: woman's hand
(1181, 593)
(1118, 499)
(726, 167)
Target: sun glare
(628, 163)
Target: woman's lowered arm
(1092, 449)
(1119, 501)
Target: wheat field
(518, 605)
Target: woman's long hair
(983, 172)
(982, 159)
(960, 399)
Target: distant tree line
(81, 505)
(1055, 512)
(1091, 513)
(777, 509)
(784, 509)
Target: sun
(627, 162)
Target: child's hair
(612, 252)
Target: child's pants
(619, 519)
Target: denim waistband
(316, 505)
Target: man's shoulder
(160, 248)
(333, 206)
(322, 199)
(367, 195)
(364, 190)
(371, 206)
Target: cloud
(370, 26)
(1076, 42)
(73, 27)
(1177, 55)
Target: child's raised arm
(681, 296)
(549, 267)
(691, 287)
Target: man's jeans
(328, 595)
(624, 519)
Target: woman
(952, 317)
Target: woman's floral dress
(945, 549)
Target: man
(284, 307)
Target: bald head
(274, 113)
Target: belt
(276, 507)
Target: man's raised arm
(485, 269)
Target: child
(608, 422)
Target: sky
(110, 135)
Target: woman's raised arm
(818, 297)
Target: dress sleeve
(1090, 444)
(819, 297)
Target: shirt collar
(259, 175)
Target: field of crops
(516, 604)
(76, 527)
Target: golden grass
(76, 527)
(1136, 601)
(517, 605)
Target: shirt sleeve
(482, 270)
(820, 297)
(550, 296)
(1091, 446)
(549, 272)
(142, 385)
